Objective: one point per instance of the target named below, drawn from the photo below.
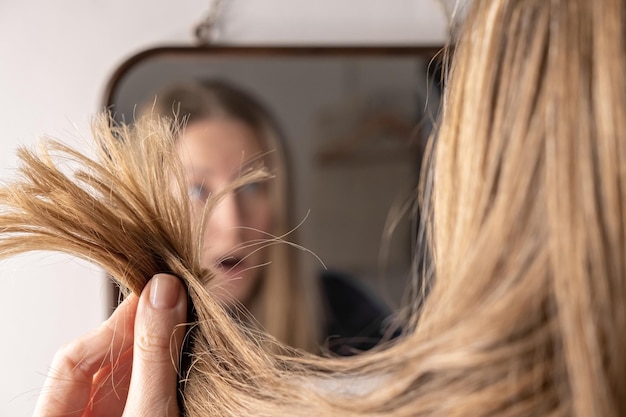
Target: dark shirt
(355, 318)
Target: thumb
(159, 332)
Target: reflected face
(214, 153)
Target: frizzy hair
(527, 222)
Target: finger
(67, 388)
(159, 332)
(110, 387)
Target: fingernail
(164, 291)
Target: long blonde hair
(527, 220)
(286, 304)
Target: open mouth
(229, 263)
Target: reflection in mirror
(355, 121)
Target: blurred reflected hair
(526, 219)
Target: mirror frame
(260, 51)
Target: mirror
(355, 119)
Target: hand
(91, 377)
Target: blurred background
(56, 59)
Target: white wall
(55, 57)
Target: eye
(252, 189)
(199, 192)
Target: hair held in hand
(524, 201)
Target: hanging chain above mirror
(206, 32)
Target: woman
(526, 316)
(226, 132)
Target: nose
(223, 233)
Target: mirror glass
(356, 121)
